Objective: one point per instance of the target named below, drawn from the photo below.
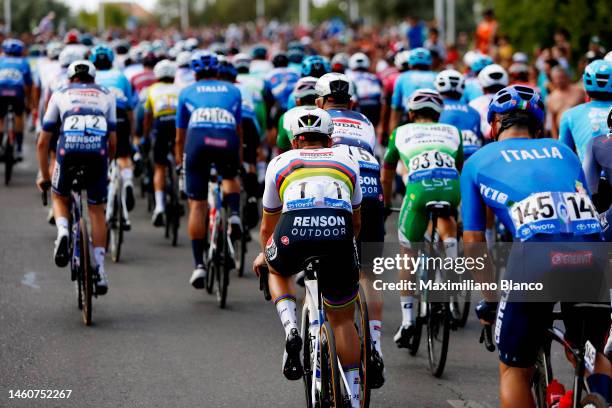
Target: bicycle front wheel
(86, 273)
(331, 388)
(224, 267)
(438, 330)
(307, 361)
(362, 323)
(541, 376)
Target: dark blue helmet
(204, 61)
(315, 66)
(517, 98)
(12, 46)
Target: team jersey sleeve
(565, 131)
(591, 168)
(182, 113)
(148, 105)
(127, 88)
(460, 157)
(52, 114)
(271, 201)
(473, 208)
(396, 98)
(392, 154)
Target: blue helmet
(517, 98)
(315, 66)
(479, 63)
(226, 68)
(259, 51)
(12, 46)
(204, 61)
(295, 56)
(101, 53)
(598, 76)
(419, 56)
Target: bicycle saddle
(438, 208)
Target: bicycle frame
(215, 204)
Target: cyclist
(15, 89)
(340, 63)
(81, 110)
(492, 78)
(260, 66)
(368, 86)
(282, 80)
(305, 95)
(451, 84)
(355, 136)
(311, 207)
(184, 75)
(295, 59)
(401, 64)
(419, 76)
(208, 130)
(522, 173)
(259, 88)
(312, 66)
(588, 120)
(102, 57)
(159, 122)
(473, 89)
(433, 155)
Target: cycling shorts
(17, 105)
(124, 132)
(413, 218)
(164, 134)
(96, 179)
(372, 234)
(251, 140)
(200, 153)
(295, 239)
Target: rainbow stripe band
(341, 303)
(298, 169)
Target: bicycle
(144, 169)
(174, 210)
(8, 155)
(81, 270)
(324, 382)
(241, 247)
(116, 213)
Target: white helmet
(450, 80)
(164, 69)
(608, 56)
(305, 86)
(492, 75)
(241, 60)
(520, 57)
(333, 83)
(81, 67)
(54, 49)
(69, 55)
(426, 98)
(470, 57)
(341, 58)
(359, 61)
(183, 58)
(401, 59)
(310, 119)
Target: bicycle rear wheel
(415, 340)
(438, 329)
(362, 323)
(331, 388)
(541, 376)
(115, 233)
(224, 267)
(86, 273)
(307, 363)
(240, 247)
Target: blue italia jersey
(282, 81)
(536, 187)
(117, 83)
(582, 123)
(15, 75)
(407, 83)
(209, 108)
(467, 120)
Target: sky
(92, 5)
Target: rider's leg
(98, 232)
(231, 195)
(159, 184)
(447, 228)
(127, 177)
(515, 386)
(406, 273)
(19, 125)
(198, 214)
(61, 212)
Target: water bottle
(554, 392)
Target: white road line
(29, 279)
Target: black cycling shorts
(164, 134)
(372, 234)
(251, 140)
(325, 233)
(16, 104)
(124, 131)
(96, 175)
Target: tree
(26, 14)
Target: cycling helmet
(242, 62)
(53, 50)
(36, 51)
(598, 76)
(516, 97)
(359, 61)
(226, 68)
(520, 58)
(122, 47)
(70, 55)
(450, 80)
(295, 56)
(87, 40)
(183, 59)
(333, 84)
(309, 120)
(608, 56)
(296, 46)
(469, 57)
(101, 53)
(305, 86)
(340, 62)
(280, 60)
(401, 60)
(480, 61)
(72, 37)
(419, 56)
(164, 69)
(135, 54)
(149, 58)
(492, 75)
(81, 67)
(12, 46)
(259, 51)
(518, 68)
(426, 98)
(204, 61)
(315, 66)
(191, 44)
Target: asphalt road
(156, 342)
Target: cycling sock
(197, 247)
(62, 226)
(233, 202)
(99, 253)
(286, 309)
(407, 303)
(352, 378)
(127, 175)
(600, 383)
(160, 203)
(19, 140)
(490, 237)
(375, 327)
(450, 247)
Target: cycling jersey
(353, 129)
(282, 82)
(433, 155)
(284, 136)
(481, 105)
(598, 162)
(15, 75)
(162, 99)
(131, 70)
(582, 123)
(260, 89)
(260, 68)
(472, 90)
(535, 187)
(58, 82)
(467, 120)
(115, 81)
(142, 81)
(407, 83)
(183, 77)
(251, 130)
(47, 70)
(369, 88)
(388, 86)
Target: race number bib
(369, 172)
(84, 132)
(554, 213)
(8, 74)
(471, 142)
(314, 192)
(212, 117)
(431, 164)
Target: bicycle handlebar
(263, 281)
(486, 337)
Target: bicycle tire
(465, 309)
(307, 363)
(541, 376)
(593, 400)
(438, 336)
(176, 222)
(86, 273)
(116, 230)
(415, 340)
(331, 387)
(224, 270)
(365, 341)
(211, 276)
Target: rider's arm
(182, 121)
(111, 117)
(272, 205)
(112, 144)
(565, 131)
(43, 154)
(389, 166)
(396, 104)
(592, 169)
